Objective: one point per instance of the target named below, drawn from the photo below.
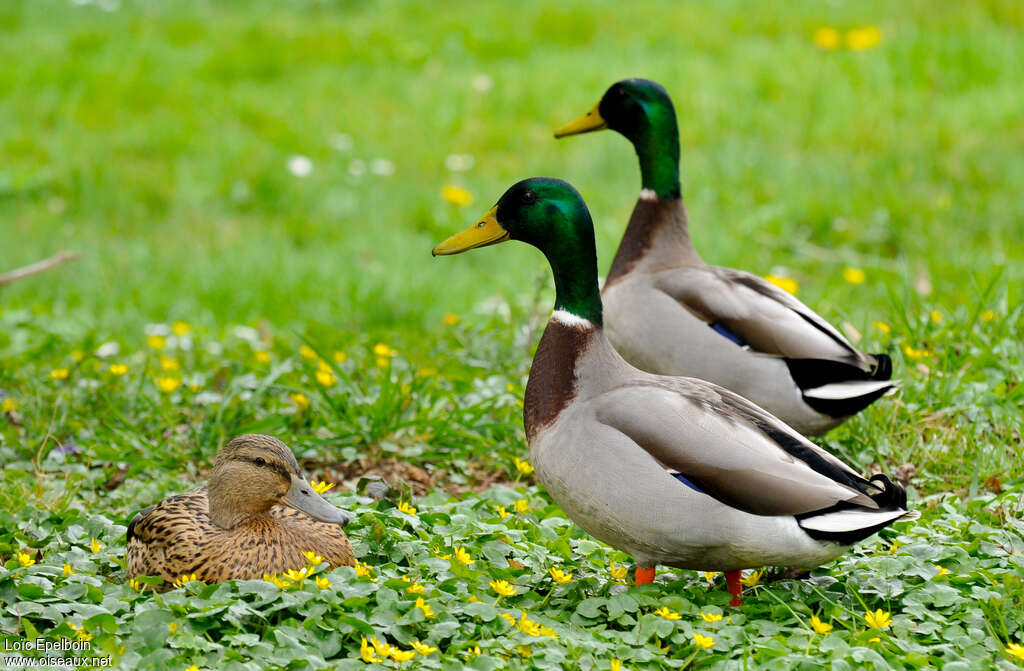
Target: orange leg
(732, 579)
(644, 576)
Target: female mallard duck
(668, 312)
(674, 470)
(258, 515)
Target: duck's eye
(529, 196)
(481, 224)
(260, 461)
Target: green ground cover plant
(254, 189)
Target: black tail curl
(883, 367)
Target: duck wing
(731, 449)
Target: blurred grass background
(154, 139)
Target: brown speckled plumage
(178, 536)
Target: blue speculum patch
(721, 330)
(682, 478)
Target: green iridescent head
(549, 214)
(642, 111)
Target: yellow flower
(475, 650)
(77, 355)
(854, 275)
(168, 364)
(95, 546)
(463, 556)
(402, 655)
(508, 618)
(168, 384)
(192, 668)
(424, 606)
(548, 631)
(819, 626)
(528, 626)
(118, 369)
(415, 588)
(710, 575)
(156, 342)
(472, 599)
(867, 37)
(703, 642)
(523, 467)
(363, 571)
(662, 648)
(185, 578)
(383, 648)
(300, 400)
(422, 648)
(878, 619)
(25, 559)
(894, 547)
(272, 578)
(915, 354)
(298, 575)
(68, 570)
(502, 513)
(524, 650)
(313, 558)
(325, 378)
(560, 576)
(883, 327)
(503, 588)
(82, 636)
(262, 356)
(380, 349)
(60, 373)
(180, 328)
(874, 639)
(339, 356)
(936, 316)
(366, 651)
(135, 585)
(307, 352)
(615, 665)
(173, 626)
(752, 578)
(942, 570)
(456, 195)
(667, 614)
(404, 507)
(787, 284)
(618, 572)
(426, 372)
(450, 319)
(321, 487)
(1015, 650)
(438, 553)
(522, 506)
(987, 316)
(827, 38)
(710, 617)
(8, 405)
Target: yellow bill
(485, 232)
(588, 122)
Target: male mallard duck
(258, 515)
(674, 470)
(669, 312)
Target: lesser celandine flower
(69, 569)
(313, 558)
(185, 578)
(262, 356)
(157, 342)
(787, 284)
(667, 614)
(192, 668)
(300, 400)
(279, 582)
(936, 316)
(883, 327)
(299, 574)
(560, 576)
(307, 352)
(363, 571)
(942, 570)
(988, 315)
(523, 467)
(135, 585)
(450, 319)
(404, 507)
(503, 588)
(522, 506)
(172, 626)
(321, 487)
(95, 546)
(528, 626)
(827, 38)
(1015, 650)
(180, 328)
(508, 618)
(615, 665)
(456, 195)
(463, 556)
(117, 369)
(380, 349)
(502, 513)
(325, 378)
(867, 37)
(415, 588)
(854, 275)
(878, 619)
(819, 626)
(710, 575)
(168, 384)
(422, 648)
(710, 617)
(402, 655)
(752, 578)
(8, 405)
(25, 559)
(168, 364)
(424, 606)
(914, 353)
(340, 357)
(617, 572)
(703, 642)
(366, 651)
(60, 373)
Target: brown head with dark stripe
(254, 473)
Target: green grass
(153, 139)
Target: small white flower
(214, 348)
(246, 333)
(483, 83)
(157, 329)
(207, 398)
(300, 166)
(459, 162)
(183, 343)
(340, 142)
(382, 167)
(107, 350)
(357, 168)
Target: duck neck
(227, 510)
(573, 262)
(657, 148)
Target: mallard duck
(258, 515)
(674, 470)
(669, 312)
